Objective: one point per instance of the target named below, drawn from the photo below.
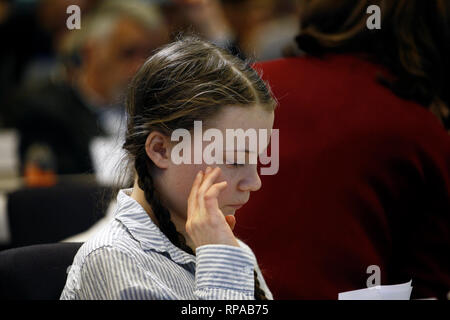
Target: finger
(210, 200)
(231, 220)
(214, 191)
(192, 199)
(206, 184)
(210, 177)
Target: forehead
(244, 117)
(128, 32)
(232, 118)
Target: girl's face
(176, 181)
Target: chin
(227, 211)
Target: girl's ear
(157, 148)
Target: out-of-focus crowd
(363, 115)
(61, 88)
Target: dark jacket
(54, 114)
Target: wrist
(224, 266)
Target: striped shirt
(130, 258)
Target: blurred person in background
(263, 27)
(31, 32)
(203, 18)
(364, 172)
(247, 28)
(58, 118)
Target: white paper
(391, 292)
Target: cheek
(187, 176)
(230, 176)
(181, 180)
(103, 61)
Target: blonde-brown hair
(185, 81)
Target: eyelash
(236, 165)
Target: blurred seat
(51, 214)
(35, 272)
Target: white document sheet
(391, 292)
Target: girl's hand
(206, 223)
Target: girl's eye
(236, 165)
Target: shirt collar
(144, 230)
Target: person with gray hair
(64, 114)
(115, 39)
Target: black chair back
(52, 214)
(36, 272)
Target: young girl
(172, 233)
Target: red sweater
(364, 179)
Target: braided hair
(185, 81)
(145, 182)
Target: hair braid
(259, 293)
(145, 182)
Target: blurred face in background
(111, 62)
(247, 14)
(52, 15)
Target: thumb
(231, 220)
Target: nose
(251, 180)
